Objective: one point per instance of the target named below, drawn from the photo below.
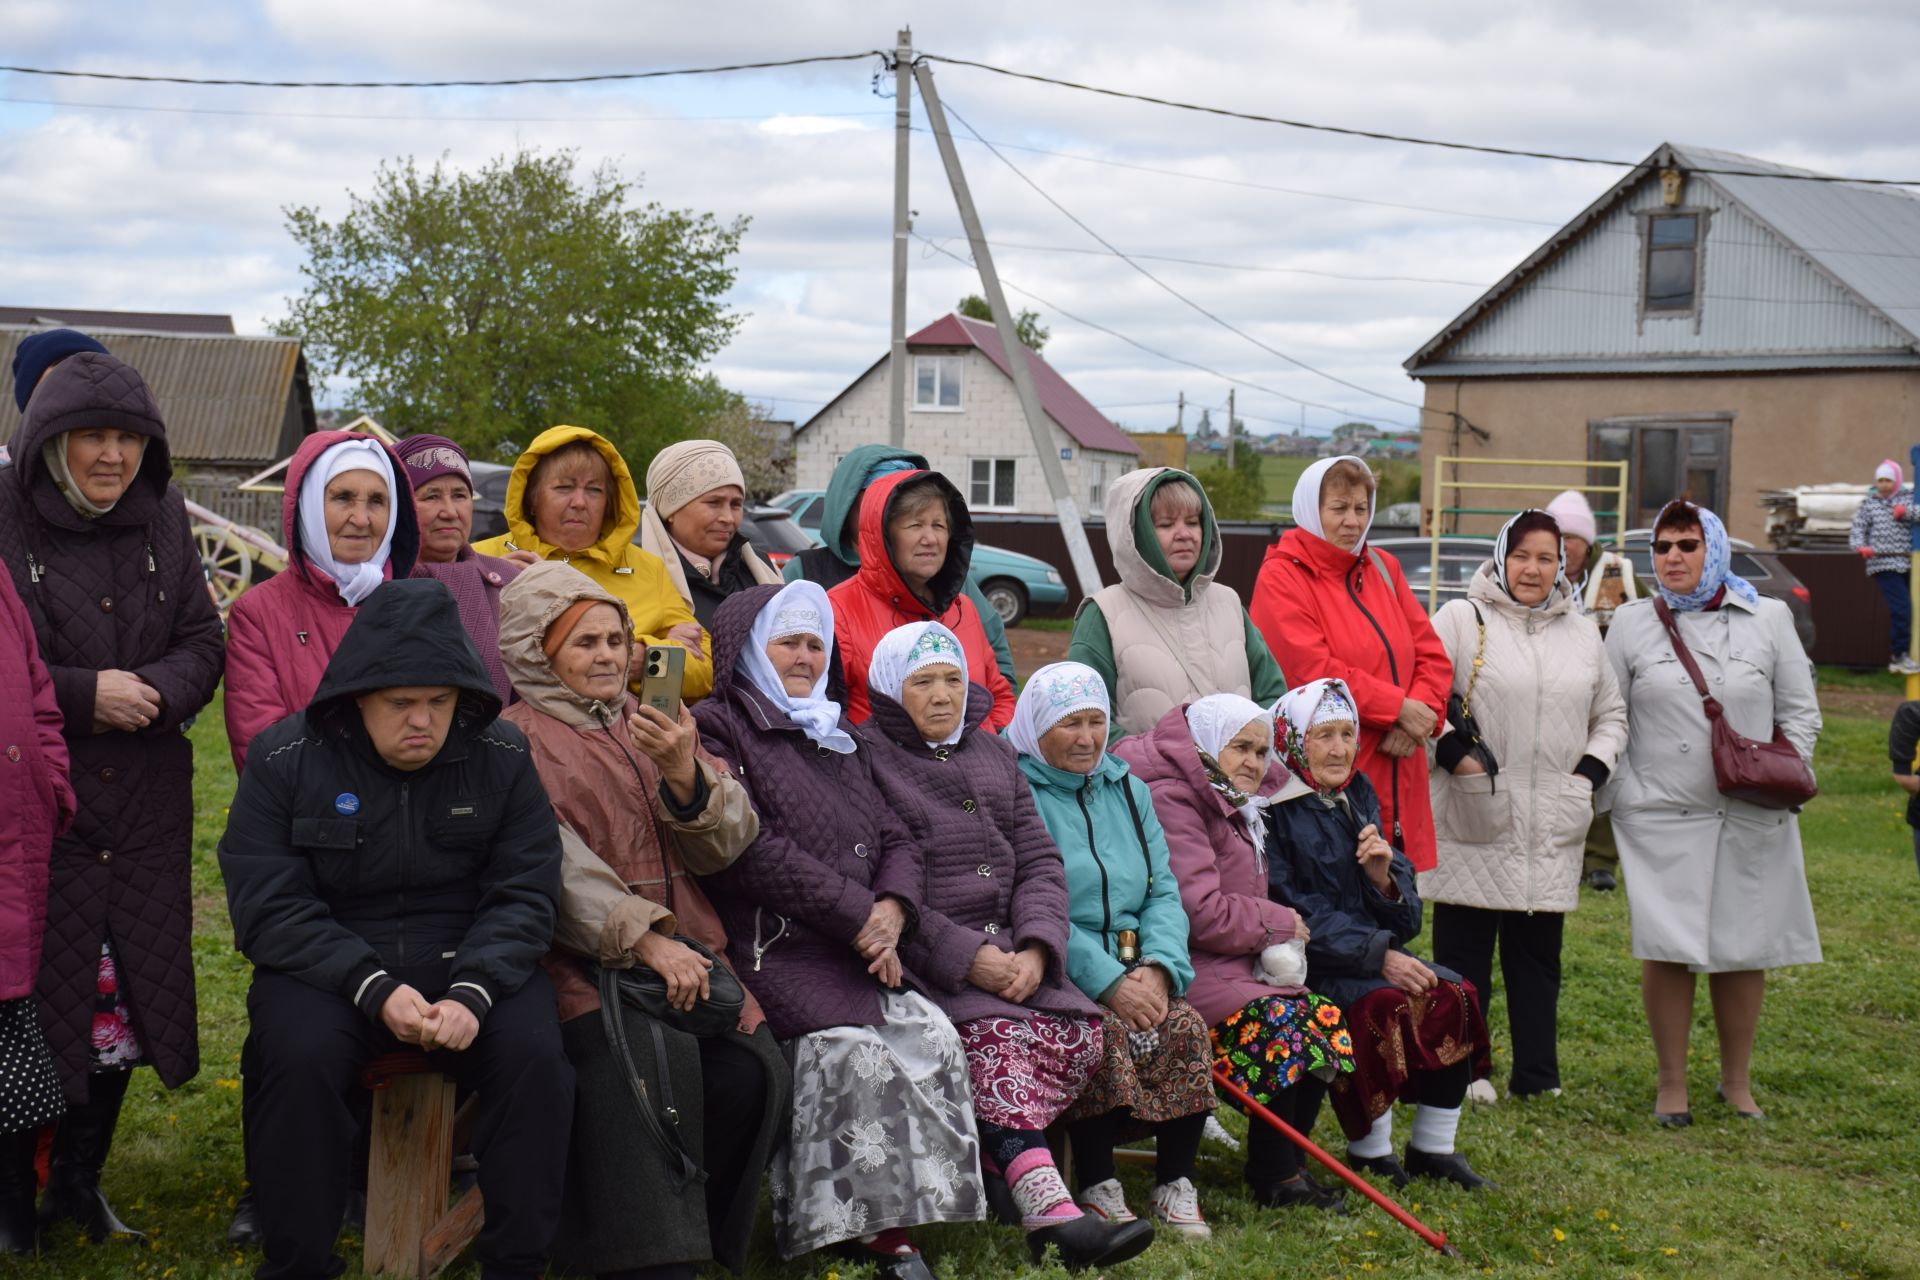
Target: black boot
(1451, 1167)
(80, 1147)
(19, 1232)
(1091, 1241)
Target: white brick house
(964, 415)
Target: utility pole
(1071, 530)
(902, 137)
(1230, 424)
(1180, 415)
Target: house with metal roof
(964, 415)
(1724, 324)
(233, 404)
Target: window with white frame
(1096, 485)
(990, 483)
(936, 383)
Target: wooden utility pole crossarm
(902, 139)
(1071, 530)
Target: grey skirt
(883, 1131)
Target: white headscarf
(905, 650)
(1306, 498)
(1214, 721)
(355, 582)
(798, 609)
(1053, 693)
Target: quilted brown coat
(124, 591)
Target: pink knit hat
(1889, 470)
(1575, 518)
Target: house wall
(988, 424)
(1787, 429)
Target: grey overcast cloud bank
(178, 205)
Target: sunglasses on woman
(1687, 546)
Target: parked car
(1460, 557)
(1012, 582)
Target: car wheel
(1009, 600)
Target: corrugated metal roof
(1073, 411)
(1795, 275)
(224, 398)
(90, 319)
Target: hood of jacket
(405, 551)
(623, 519)
(528, 606)
(1487, 591)
(881, 577)
(407, 634)
(844, 489)
(1167, 752)
(92, 389)
(1318, 556)
(1137, 557)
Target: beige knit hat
(682, 472)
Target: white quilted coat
(1547, 696)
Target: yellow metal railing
(1442, 486)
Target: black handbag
(1460, 708)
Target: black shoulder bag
(1460, 707)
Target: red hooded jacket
(876, 600)
(1327, 613)
(282, 633)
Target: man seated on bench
(392, 862)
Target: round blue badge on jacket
(346, 803)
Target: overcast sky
(178, 205)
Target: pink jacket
(282, 633)
(39, 797)
(1223, 878)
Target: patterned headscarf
(1715, 573)
(686, 469)
(1317, 702)
(905, 650)
(1503, 547)
(798, 609)
(1214, 721)
(1053, 693)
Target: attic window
(1673, 262)
(936, 382)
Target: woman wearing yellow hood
(571, 498)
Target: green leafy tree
(490, 305)
(1235, 492)
(1026, 325)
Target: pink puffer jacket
(40, 804)
(282, 633)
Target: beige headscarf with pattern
(677, 475)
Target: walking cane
(1352, 1179)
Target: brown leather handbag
(1769, 774)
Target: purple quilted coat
(828, 847)
(39, 805)
(993, 874)
(122, 591)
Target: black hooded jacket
(341, 869)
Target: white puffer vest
(1167, 649)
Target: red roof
(1058, 399)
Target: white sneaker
(1106, 1201)
(1176, 1205)
(1482, 1092)
(1217, 1132)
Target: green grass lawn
(1279, 475)
(1827, 1186)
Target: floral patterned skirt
(1398, 1038)
(113, 1043)
(1268, 1045)
(1157, 1075)
(1025, 1072)
(883, 1133)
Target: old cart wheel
(228, 563)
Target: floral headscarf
(1314, 703)
(1213, 721)
(1714, 574)
(1053, 693)
(905, 650)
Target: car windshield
(774, 531)
(807, 513)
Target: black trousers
(1464, 939)
(309, 1049)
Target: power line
(446, 84)
(1345, 414)
(1175, 293)
(342, 115)
(1409, 139)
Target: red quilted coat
(40, 804)
(1328, 613)
(282, 633)
(876, 600)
